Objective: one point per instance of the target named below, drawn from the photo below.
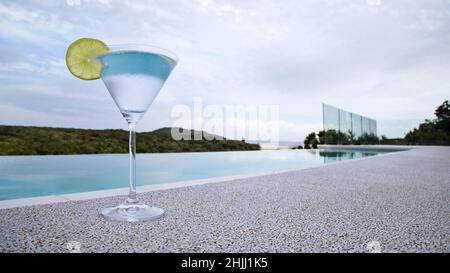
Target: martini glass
(134, 75)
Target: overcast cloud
(383, 59)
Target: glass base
(132, 213)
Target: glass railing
(344, 127)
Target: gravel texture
(397, 202)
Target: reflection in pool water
(332, 156)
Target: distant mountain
(28, 140)
(167, 131)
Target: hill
(28, 140)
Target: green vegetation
(392, 141)
(367, 139)
(334, 137)
(24, 140)
(298, 147)
(431, 132)
(311, 141)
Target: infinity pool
(27, 176)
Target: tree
(443, 116)
(311, 139)
(432, 132)
(428, 134)
(443, 111)
(314, 143)
(350, 136)
(343, 138)
(370, 139)
(331, 137)
(321, 136)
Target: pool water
(28, 176)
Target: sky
(388, 60)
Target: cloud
(384, 60)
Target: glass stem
(132, 152)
